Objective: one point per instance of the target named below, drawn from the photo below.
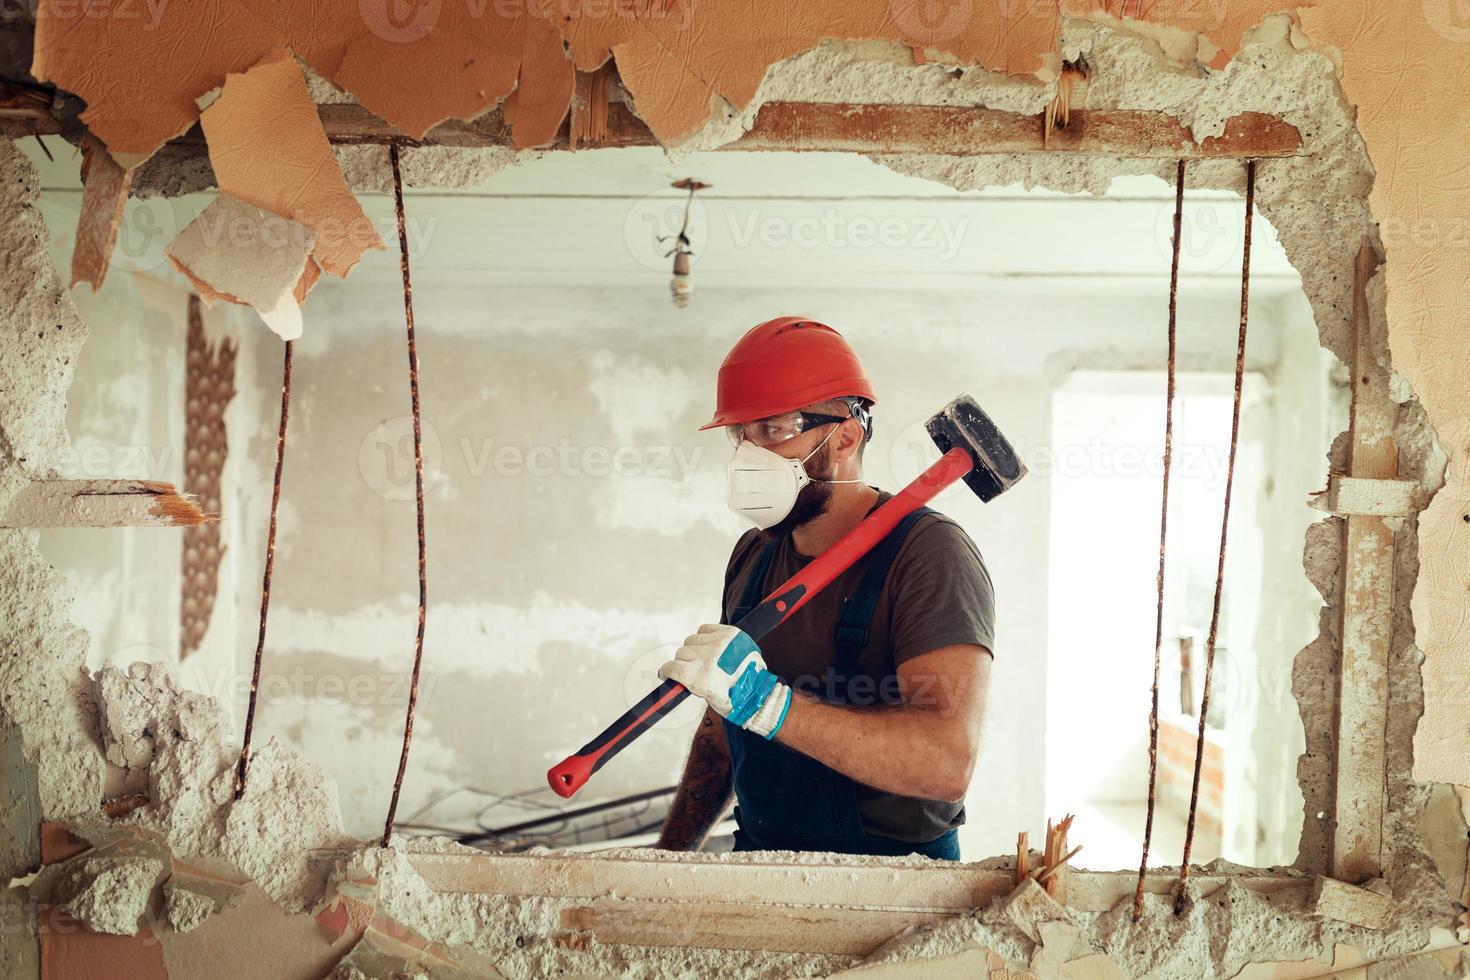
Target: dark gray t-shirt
(937, 593)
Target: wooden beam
(831, 930)
(974, 131)
(754, 902)
(908, 888)
(1367, 609)
(831, 127)
(942, 130)
(102, 503)
(1355, 495)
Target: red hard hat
(785, 364)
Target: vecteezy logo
(1209, 234)
(653, 225)
(385, 458)
(642, 677)
(400, 21)
(930, 23)
(146, 228)
(911, 452)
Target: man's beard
(811, 501)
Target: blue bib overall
(788, 801)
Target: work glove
(723, 665)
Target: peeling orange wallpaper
(1404, 64)
(419, 62)
(292, 174)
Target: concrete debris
(189, 899)
(518, 933)
(281, 834)
(377, 954)
(106, 894)
(1367, 906)
(1216, 936)
(139, 714)
(175, 170)
(1029, 906)
(20, 813)
(1322, 556)
(19, 954)
(1059, 943)
(185, 909)
(350, 909)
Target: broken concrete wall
(44, 697)
(1336, 177)
(1266, 786)
(129, 424)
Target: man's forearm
(704, 792)
(925, 747)
(899, 749)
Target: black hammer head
(962, 423)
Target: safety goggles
(776, 429)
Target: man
(853, 726)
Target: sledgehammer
(974, 450)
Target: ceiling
(777, 219)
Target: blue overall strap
(789, 801)
(754, 591)
(851, 634)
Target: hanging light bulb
(681, 287)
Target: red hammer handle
(572, 773)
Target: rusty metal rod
(418, 470)
(1153, 715)
(1204, 705)
(270, 563)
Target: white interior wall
(556, 592)
(1103, 588)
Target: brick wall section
(1176, 774)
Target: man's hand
(723, 665)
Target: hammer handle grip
(572, 773)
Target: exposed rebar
(270, 562)
(1204, 705)
(1153, 716)
(418, 470)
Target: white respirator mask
(764, 485)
